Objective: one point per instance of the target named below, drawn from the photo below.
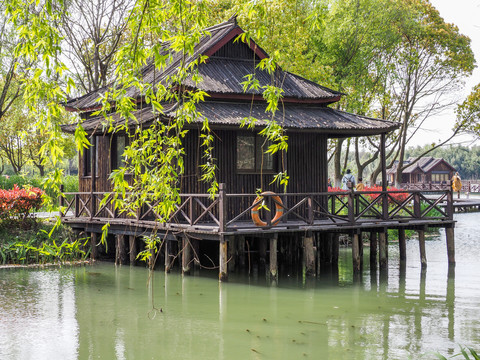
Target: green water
(104, 312)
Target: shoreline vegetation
(26, 239)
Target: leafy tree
(468, 113)
(93, 30)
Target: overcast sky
(466, 15)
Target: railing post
(61, 201)
(222, 202)
(191, 213)
(270, 204)
(450, 201)
(385, 205)
(351, 208)
(416, 205)
(77, 204)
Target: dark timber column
(356, 253)
(402, 244)
(241, 250)
(132, 247)
(186, 256)
(232, 253)
(93, 201)
(93, 246)
(421, 241)
(168, 263)
(450, 245)
(309, 254)
(223, 274)
(273, 257)
(120, 251)
(383, 251)
(373, 250)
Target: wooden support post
(93, 185)
(273, 257)
(61, 201)
(360, 249)
(222, 207)
(262, 251)
(241, 250)
(168, 264)
(357, 267)
(132, 249)
(421, 241)
(402, 245)
(195, 243)
(232, 253)
(186, 256)
(120, 251)
(93, 246)
(223, 274)
(309, 255)
(450, 245)
(373, 250)
(383, 249)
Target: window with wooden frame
(88, 156)
(119, 143)
(251, 156)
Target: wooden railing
(470, 186)
(229, 212)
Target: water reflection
(108, 312)
(33, 306)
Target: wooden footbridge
(309, 221)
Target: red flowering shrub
(18, 203)
(398, 196)
(336, 189)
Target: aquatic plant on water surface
(468, 353)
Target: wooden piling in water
(132, 249)
(93, 246)
(120, 251)
(309, 255)
(373, 249)
(240, 241)
(449, 231)
(273, 257)
(402, 245)
(232, 253)
(168, 255)
(223, 256)
(186, 256)
(357, 267)
(262, 251)
(383, 249)
(421, 242)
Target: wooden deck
(230, 214)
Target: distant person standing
(348, 177)
(360, 185)
(456, 183)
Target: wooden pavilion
(305, 210)
(424, 173)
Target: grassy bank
(28, 242)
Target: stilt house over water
(243, 166)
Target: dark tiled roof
(299, 116)
(221, 75)
(424, 164)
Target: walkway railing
(469, 186)
(230, 212)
